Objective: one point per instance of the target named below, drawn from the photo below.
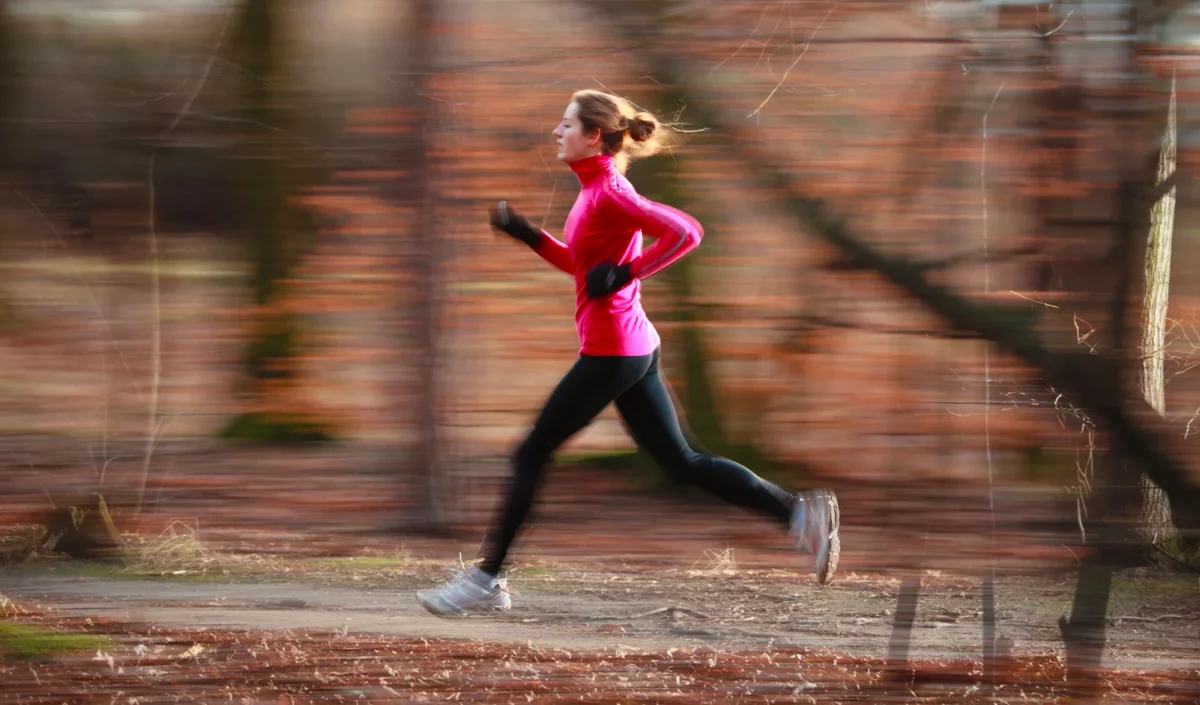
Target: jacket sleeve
(676, 233)
(555, 252)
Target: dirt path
(282, 606)
(1154, 620)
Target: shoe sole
(826, 568)
(441, 608)
(435, 607)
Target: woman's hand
(607, 279)
(509, 221)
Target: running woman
(619, 356)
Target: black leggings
(637, 387)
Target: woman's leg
(812, 516)
(590, 386)
(652, 420)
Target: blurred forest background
(949, 270)
(930, 258)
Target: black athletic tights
(637, 387)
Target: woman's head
(602, 123)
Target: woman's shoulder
(618, 188)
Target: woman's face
(573, 141)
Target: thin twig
(155, 340)
(743, 46)
(989, 597)
(553, 190)
(767, 43)
(673, 611)
(152, 424)
(1187, 430)
(212, 59)
(1151, 620)
(1073, 554)
(1039, 303)
(82, 280)
(987, 389)
(106, 385)
(160, 96)
(1060, 24)
(794, 62)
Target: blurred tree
(8, 89)
(1157, 524)
(265, 169)
(420, 184)
(657, 178)
(8, 70)
(265, 172)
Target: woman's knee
(683, 465)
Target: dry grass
(178, 550)
(715, 563)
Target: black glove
(606, 279)
(508, 220)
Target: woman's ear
(594, 139)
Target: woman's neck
(590, 168)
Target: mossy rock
(23, 549)
(82, 529)
(19, 642)
(1173, 554)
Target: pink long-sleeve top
(606, 224)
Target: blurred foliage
(265, 187)
(703, 410)
(285, 213)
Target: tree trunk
(268, 202)
(274, 416)
(1083, 633)
(421, 185)
(1156, 522)
(8, 69)
(656, 179)
(1114, 490)
(8, 85)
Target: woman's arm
(508, 220)
(554, 252)
(676, 233)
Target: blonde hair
(625, 132)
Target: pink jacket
(606, 224)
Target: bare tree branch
(1087, 376)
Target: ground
(350, 630)
(282, 581)
(1153, 617)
